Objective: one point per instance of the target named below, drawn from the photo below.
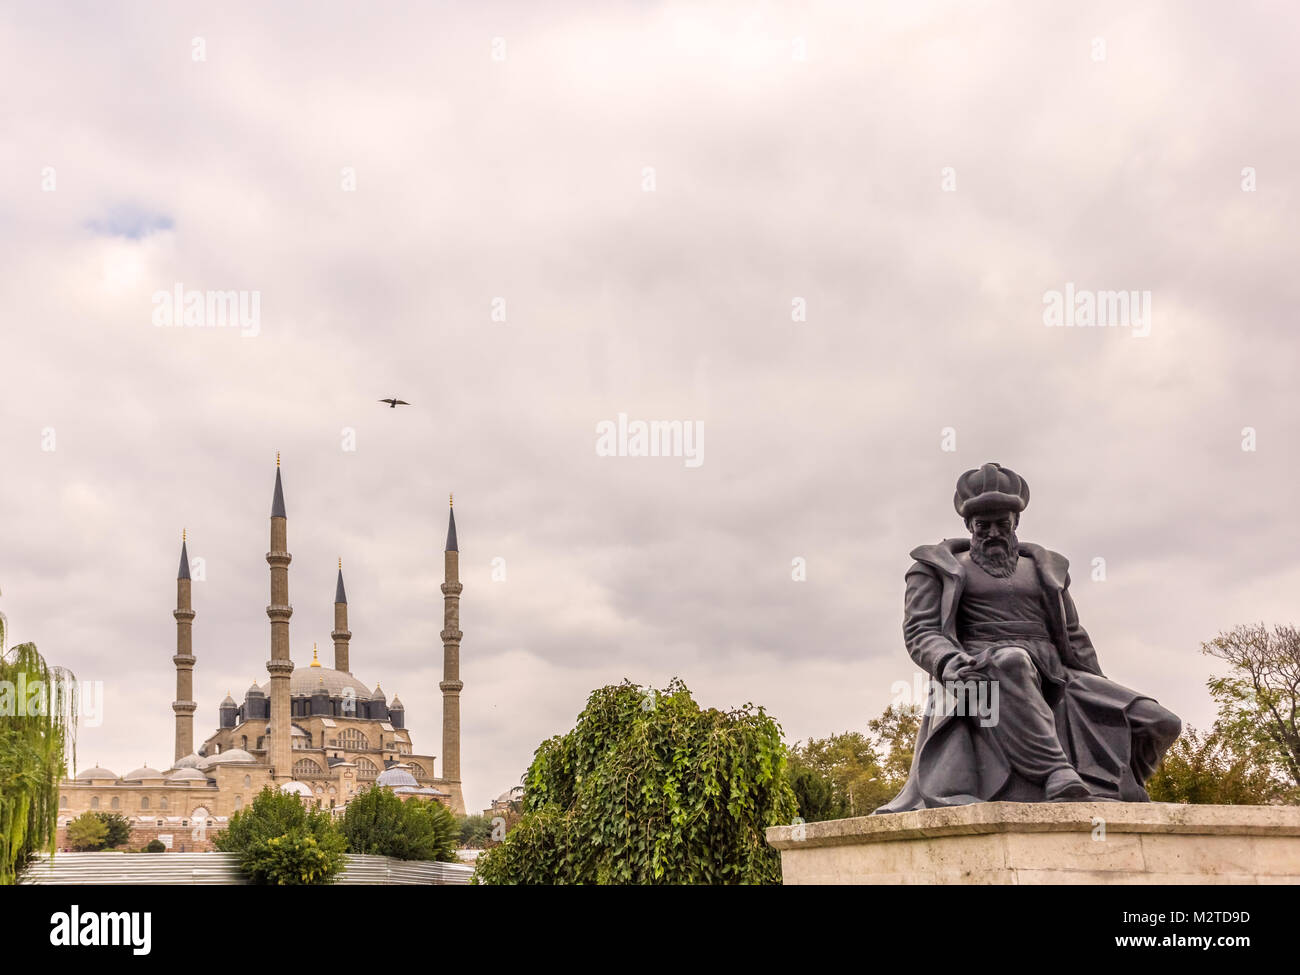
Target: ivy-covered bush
(650, 788)
(281, 841)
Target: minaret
(279, 611)
(451, 683)
(341, 632)
(184, 705)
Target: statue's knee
(1161, 724)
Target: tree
(474, 831)
(280, 841)
(87, 832)
(34, 735)
(852, 774)
(155, 846)
(650, 788)
(118, 829)
(379, 823)
(1215, 768)
(1259, 698)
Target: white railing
(223, 868)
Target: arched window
(366, 769)
(162, 803)
(306, 766)
(244, 742)
(353, 740)
(239, 802)
(94, 802)
(144, 802)
(116, 803)
(248, 781)
(63, 802)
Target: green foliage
(32, 749)
(118, 829)
(473, 832)
(852, 774)
(155, 846)
(649, 788)
(377, 822)
(87, 832)
(1217, 768)
(280, 841)
(1259, 698)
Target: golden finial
(340, 563)
(182, 536)
(277, 458)
(315, 661)
(451, 499)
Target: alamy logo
(1088, 309)
(102, 929)
(651, 438)
(208, 309)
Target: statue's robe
(957, 761)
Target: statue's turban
(990, 488)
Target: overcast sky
(647, 188)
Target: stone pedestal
(1048, 843)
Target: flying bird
(395, 403)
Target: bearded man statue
(998, 610)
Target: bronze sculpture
(997, 611)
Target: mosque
(315, 731)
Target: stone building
(316, 731)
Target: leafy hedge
(649, 788)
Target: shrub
(118, 829)
(650, 788)
(155, 846)
(280, 841)
(379, 823)
(87, 832)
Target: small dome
(378, 694)
(254, 690)
(227, 757)
(296, 732)
(296, 788)
(186, 775)
(189, 761)
(144, 772)
(95, 773)
(396, 776)
(396, 704)
(229, 702)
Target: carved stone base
(1049, 843)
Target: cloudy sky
(650, 191)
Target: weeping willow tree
(34, 733)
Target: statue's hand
(960, 667)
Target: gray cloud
(521, 179)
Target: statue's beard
(998, 560)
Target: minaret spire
(279, 611)
(341, 632)
(184, 705)
(451, 684)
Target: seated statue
(999, 610)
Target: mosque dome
(395, 777)
(96, 773)
(144, 772)
(305, 680)
(191, 760)
(231, 755)
(186, 775)
(296, 788)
